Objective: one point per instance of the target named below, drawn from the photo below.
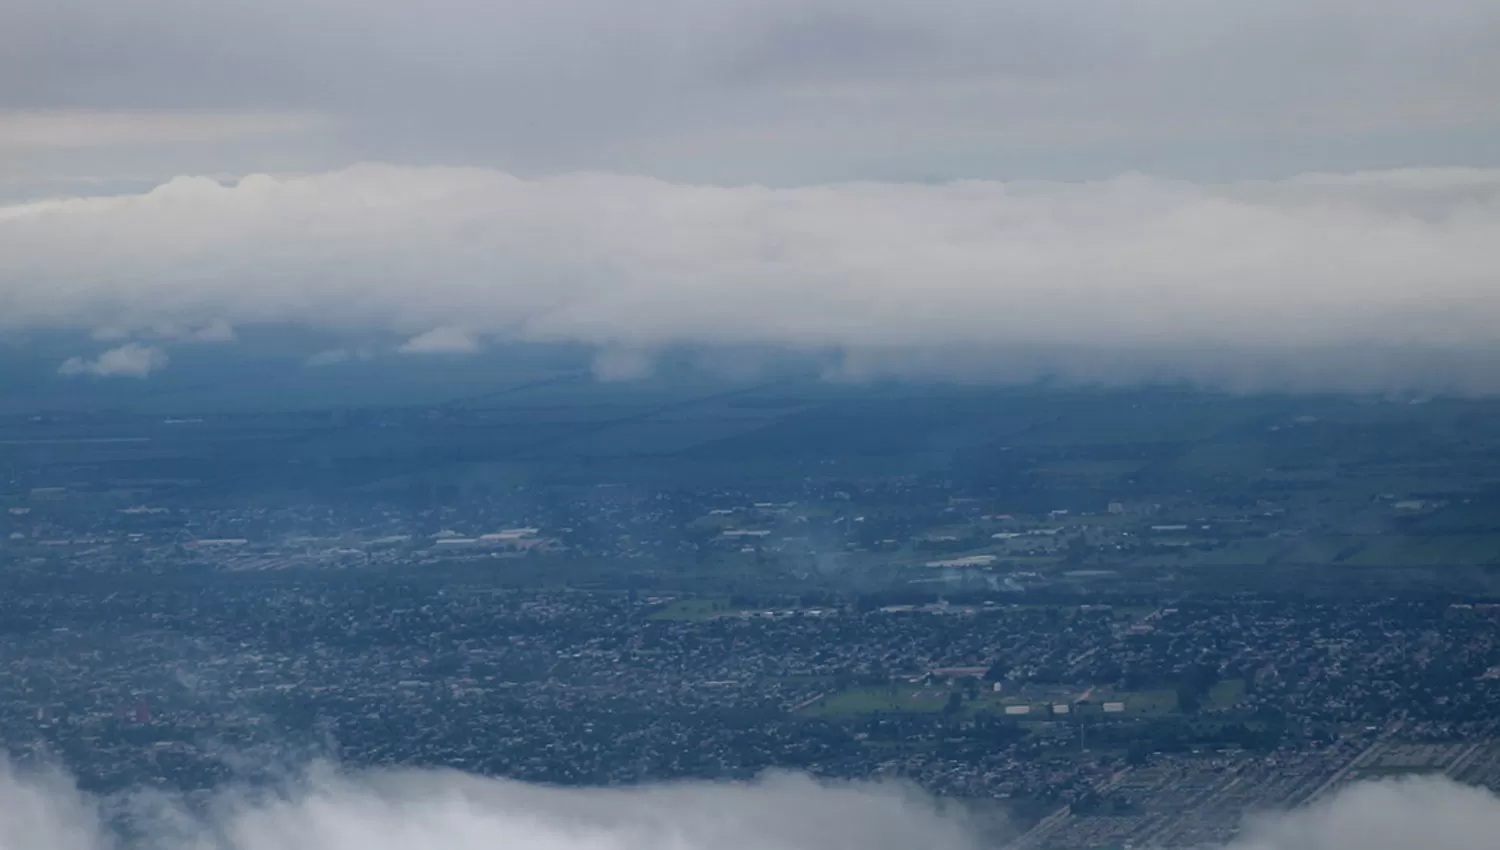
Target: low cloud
(1432, 814)
(441, 341)
(621, 364)
(1321, 281)
(131, 360)
(329, 809)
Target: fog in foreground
(330, 809)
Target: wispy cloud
(444, 340)
(131, 360)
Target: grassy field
(1147, 703)
(894, 698)
(1253, 552)
(694, 609)
(1392, 550)
(1328, 549)
(1455, 549)
(1157, 419)
(1225, 694)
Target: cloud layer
(1128, 278)
(333, 810)
(805, 87)
(41, 129)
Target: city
(1105, 674)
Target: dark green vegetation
(695, 609)
(1040, 446)
(1204, 489)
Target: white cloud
(1308, 281)
(444, 340)
(335, 810)
(131, 360)
(410, 809)
(1432, 814)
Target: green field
(694, 609)
(1455, 549)
(893, 698)
(1148, 703)
(1252, 552)
(1386, 550)
(1225, 694)
(1329, 549)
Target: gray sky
(780, 91)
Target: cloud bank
(401, 809)
(1322, 280)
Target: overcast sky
(779, 91)
(1241, 191)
